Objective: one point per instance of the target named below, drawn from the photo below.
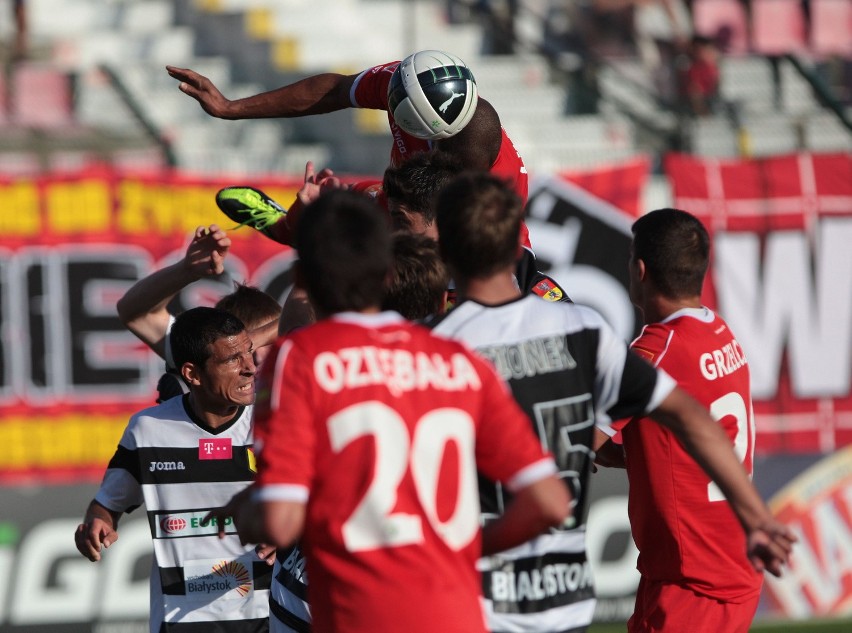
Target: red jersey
(685, 530)
(381, 426)
(370, 90)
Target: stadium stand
(102, 71)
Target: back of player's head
(675, 247)
(416, 181)
(250, 305)
(477, 145)
(418, 281)
(344, 247)
(479, 221)
(195, 330)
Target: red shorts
(664, 606)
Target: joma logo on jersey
(156, 466)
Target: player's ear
(191, 374)
(641, 270)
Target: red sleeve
(287, 450)
(506, 446)
(370, 89)
(650, 345)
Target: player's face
(228, 376)
(404, 219)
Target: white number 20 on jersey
(373, 524)
(733, 404)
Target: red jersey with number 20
(685, 530)
(381, 426)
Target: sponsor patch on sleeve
(548, 290)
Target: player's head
(673, 249)
(254, 308)
(432, 95)
(417, 285)
(250, 305)
(479, 223)
(477, 146)
(344, 246)
(213, 353)
(411, 188)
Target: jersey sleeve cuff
(531, 474)
(665, 385)
(354, 87)
(281, 492)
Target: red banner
(781, 275)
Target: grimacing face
(228, 376)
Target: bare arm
(533, 510)
(97, 531)
(607, 453)
(142, 309)
(283, 522)
(769, 542)
(318, 94)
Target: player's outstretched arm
(769, 542)
(97, 531)
(318, 94)
(533, 509)
(142, 309)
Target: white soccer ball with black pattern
(432, 95)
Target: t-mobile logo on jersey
(216, 448)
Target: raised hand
(202, 90)
(205, 255)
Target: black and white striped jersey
(569, 371)
(181, 469)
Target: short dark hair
(250, 305)
(195, 330)
(419, 278)
(479, 222)
(418, 179)
(675, 247)
(477, 145)
(344, 245)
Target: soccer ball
(432, 95)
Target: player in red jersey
(374, 429)
(692, 552)
(482, 144)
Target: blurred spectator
(662, 29)
(19, 17)
(699, 79)
(498, 18)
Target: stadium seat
(778, 27)
(724, 21)
(40, 97)
(831, 27)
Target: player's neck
(657, 308)
(494, 290)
